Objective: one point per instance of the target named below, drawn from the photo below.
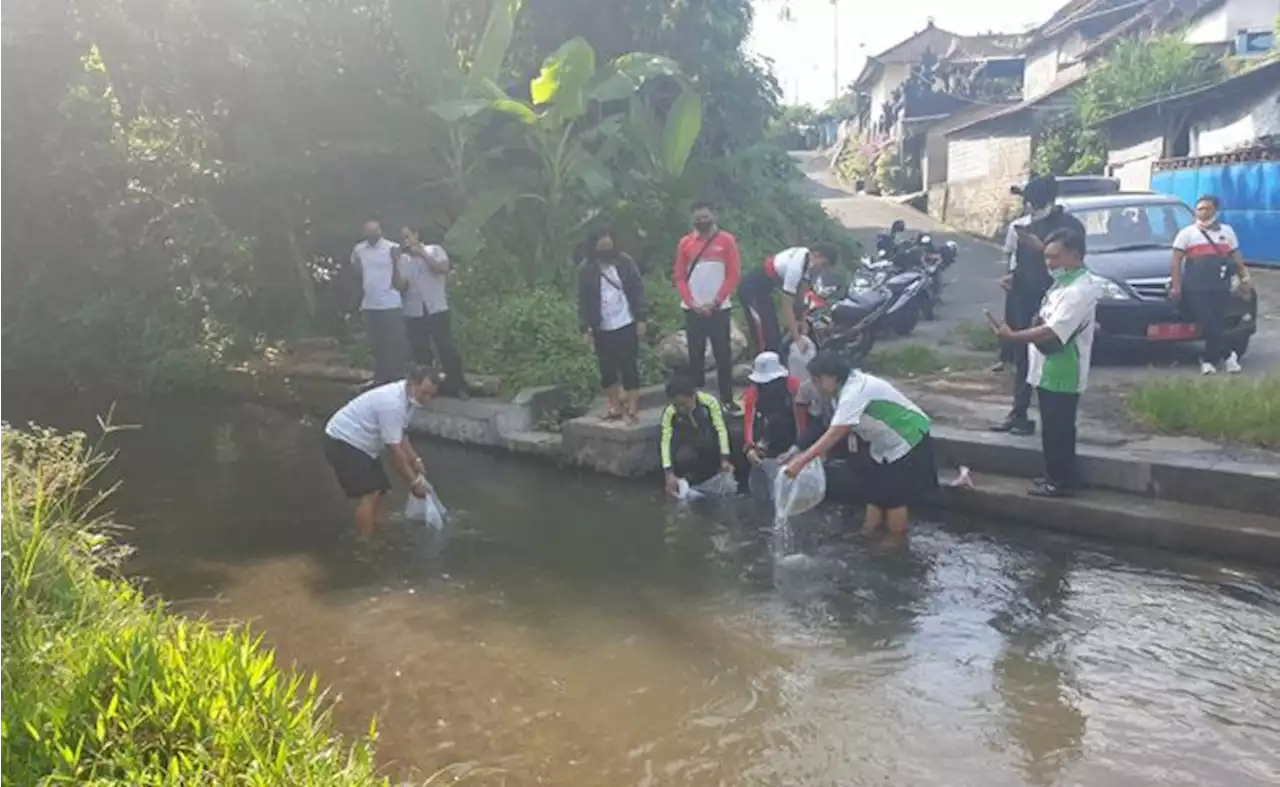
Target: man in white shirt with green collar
(1060, 348)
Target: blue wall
(1250, 196)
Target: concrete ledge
(612, 446)
(1149, 523)
(472, 421)
(1221, 483)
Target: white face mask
(1040, 213)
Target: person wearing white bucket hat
(772, 419)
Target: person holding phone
(1059, 347)
(1205, 257)
(1027, 283)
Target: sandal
(611, 416)
(631, 419)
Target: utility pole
(835, 50)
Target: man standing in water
(707, 270)
(358, 434)
(381, 307)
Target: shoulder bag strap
(697, 258)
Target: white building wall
(1231, 131)
(893, 75)
(1132, 165)
(1222, 23)
(1039, 71)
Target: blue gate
(1248, 190)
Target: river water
(569, 629)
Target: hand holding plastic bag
(797, 495)
(426, 509)
(719, 485)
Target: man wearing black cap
(1027, 283)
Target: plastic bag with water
(718, 485)
(792, 496)
(427, 509)
(798, 358)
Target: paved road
(971, 286)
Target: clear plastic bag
(799, 356)
(718, 485)
(427, 509)
(801, 494)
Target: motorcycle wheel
(926, 310)
(907, 320)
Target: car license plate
(1172, 331)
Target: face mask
(1040, 213)
(703, 226)
(1209, 222)
(606, 254)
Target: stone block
(613, 447)
(473, 421)
(543, 401)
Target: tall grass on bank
(102, 686)
(1235, 409)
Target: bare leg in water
(367, 511)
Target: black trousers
(1209, 309)
(700, 329)
(763, 329)
(695, 462)
(1058, 436)
(437, 329)
(1008, 350)
(1022, 311)
(618, 353)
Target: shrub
(103, 687)
(1235, 410)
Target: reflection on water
(576, 630)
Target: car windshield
(1133, 226)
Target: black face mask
(606, 255)
(703, 226)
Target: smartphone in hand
(992, 321)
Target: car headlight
(1109, 290)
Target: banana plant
(573, 124)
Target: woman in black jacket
(612, 313)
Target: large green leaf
(594, 175)
(684, 124)
(564, 79)
(465, 235)
(630, 72)
(517, 109)
(453, 111)
(419, 27)
(495, 40)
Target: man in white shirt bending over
(372, 423)
(375, 258)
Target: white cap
(767, 368)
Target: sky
(802, 49)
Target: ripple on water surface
(574, 630)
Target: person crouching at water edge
(366, 427)
(695, 440)
(774, 419)
(901, 469)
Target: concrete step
(534, 442)
(1228, 484)
(1195, 529)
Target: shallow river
(571, 629)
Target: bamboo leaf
(684, 124)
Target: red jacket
(722, 247)
(749, 411)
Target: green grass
(103, 686)
(907, 360)
(978, 336)
(1236, 410)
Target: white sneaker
(1207, 368)
(1232, 364)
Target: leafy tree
(1137, 71)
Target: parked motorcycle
(901, 264)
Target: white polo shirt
(374, 419)
(1068, 308)
(791, 266)
(890, 423)
(377, 267)
(426, 293)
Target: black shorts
(358, 473)
(908, 481)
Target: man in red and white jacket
(707, 270)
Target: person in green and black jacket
(695, 439)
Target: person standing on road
(791, 270)
(1060, 346)
(381, 305)
(707, 269)
(1008, 355)
(424, 268)
(612, 313)
(1027, 284)
(369, 425)
(1205, 256)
